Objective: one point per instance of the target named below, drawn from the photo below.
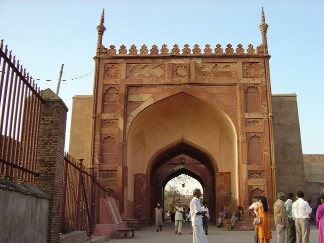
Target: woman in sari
(264, 233)
(320, 220)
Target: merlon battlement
(165, 51)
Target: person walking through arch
(178, 218)
(196, 213)
(206, 217)
(158, 213)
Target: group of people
(291, 218)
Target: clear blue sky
(45, 34)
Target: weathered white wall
(23, 217)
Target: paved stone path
(216, 235)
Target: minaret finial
(264, 27)
(101, 29)
(102, 19)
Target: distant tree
(172, 196)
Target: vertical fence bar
(20, 130)
(10, 117)
(78, 218)
(14, 123)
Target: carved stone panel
(110, 125)
(180, 71)
(256, 174)
(108, 174)
(112, 71)
(145, 71)
(251, 70)
(254, 125)
(212, 70)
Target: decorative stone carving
(111, 125)
(112, 71)
(112, 50)
(208, 50)
(144, 50)
(213, 70)
(196, 49)
(133, 50)
(218, 49)
(108, 174)
(256, 174)
(110, 93)
(229, 49)
(186, 50)
(251, 70)
(251, 49)
(239, 49)
(253, 122)
(181, 71)
(175, 50)
(154, 50)
(164, 49)
(255, 192)
(122, 50)
(145, 71)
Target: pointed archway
(178, 126)
(183, 158)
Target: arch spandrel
(199, 92)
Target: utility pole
(59, 80)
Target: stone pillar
(50, 158)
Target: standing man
(280, 217)
(158, 213)
(196, 213)
(300, 212)
(291, 229)
(254, 210)
(178, 218)
(205, 217)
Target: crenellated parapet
(185, 51)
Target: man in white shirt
(254, 210)
(196, 213)
(178, 218)
(300, 212)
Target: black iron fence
(81, 194)
(20, 104)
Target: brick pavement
(219, 235)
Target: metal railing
(20, 104)
(81, 194)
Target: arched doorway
(183, 158)
(180, 126)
